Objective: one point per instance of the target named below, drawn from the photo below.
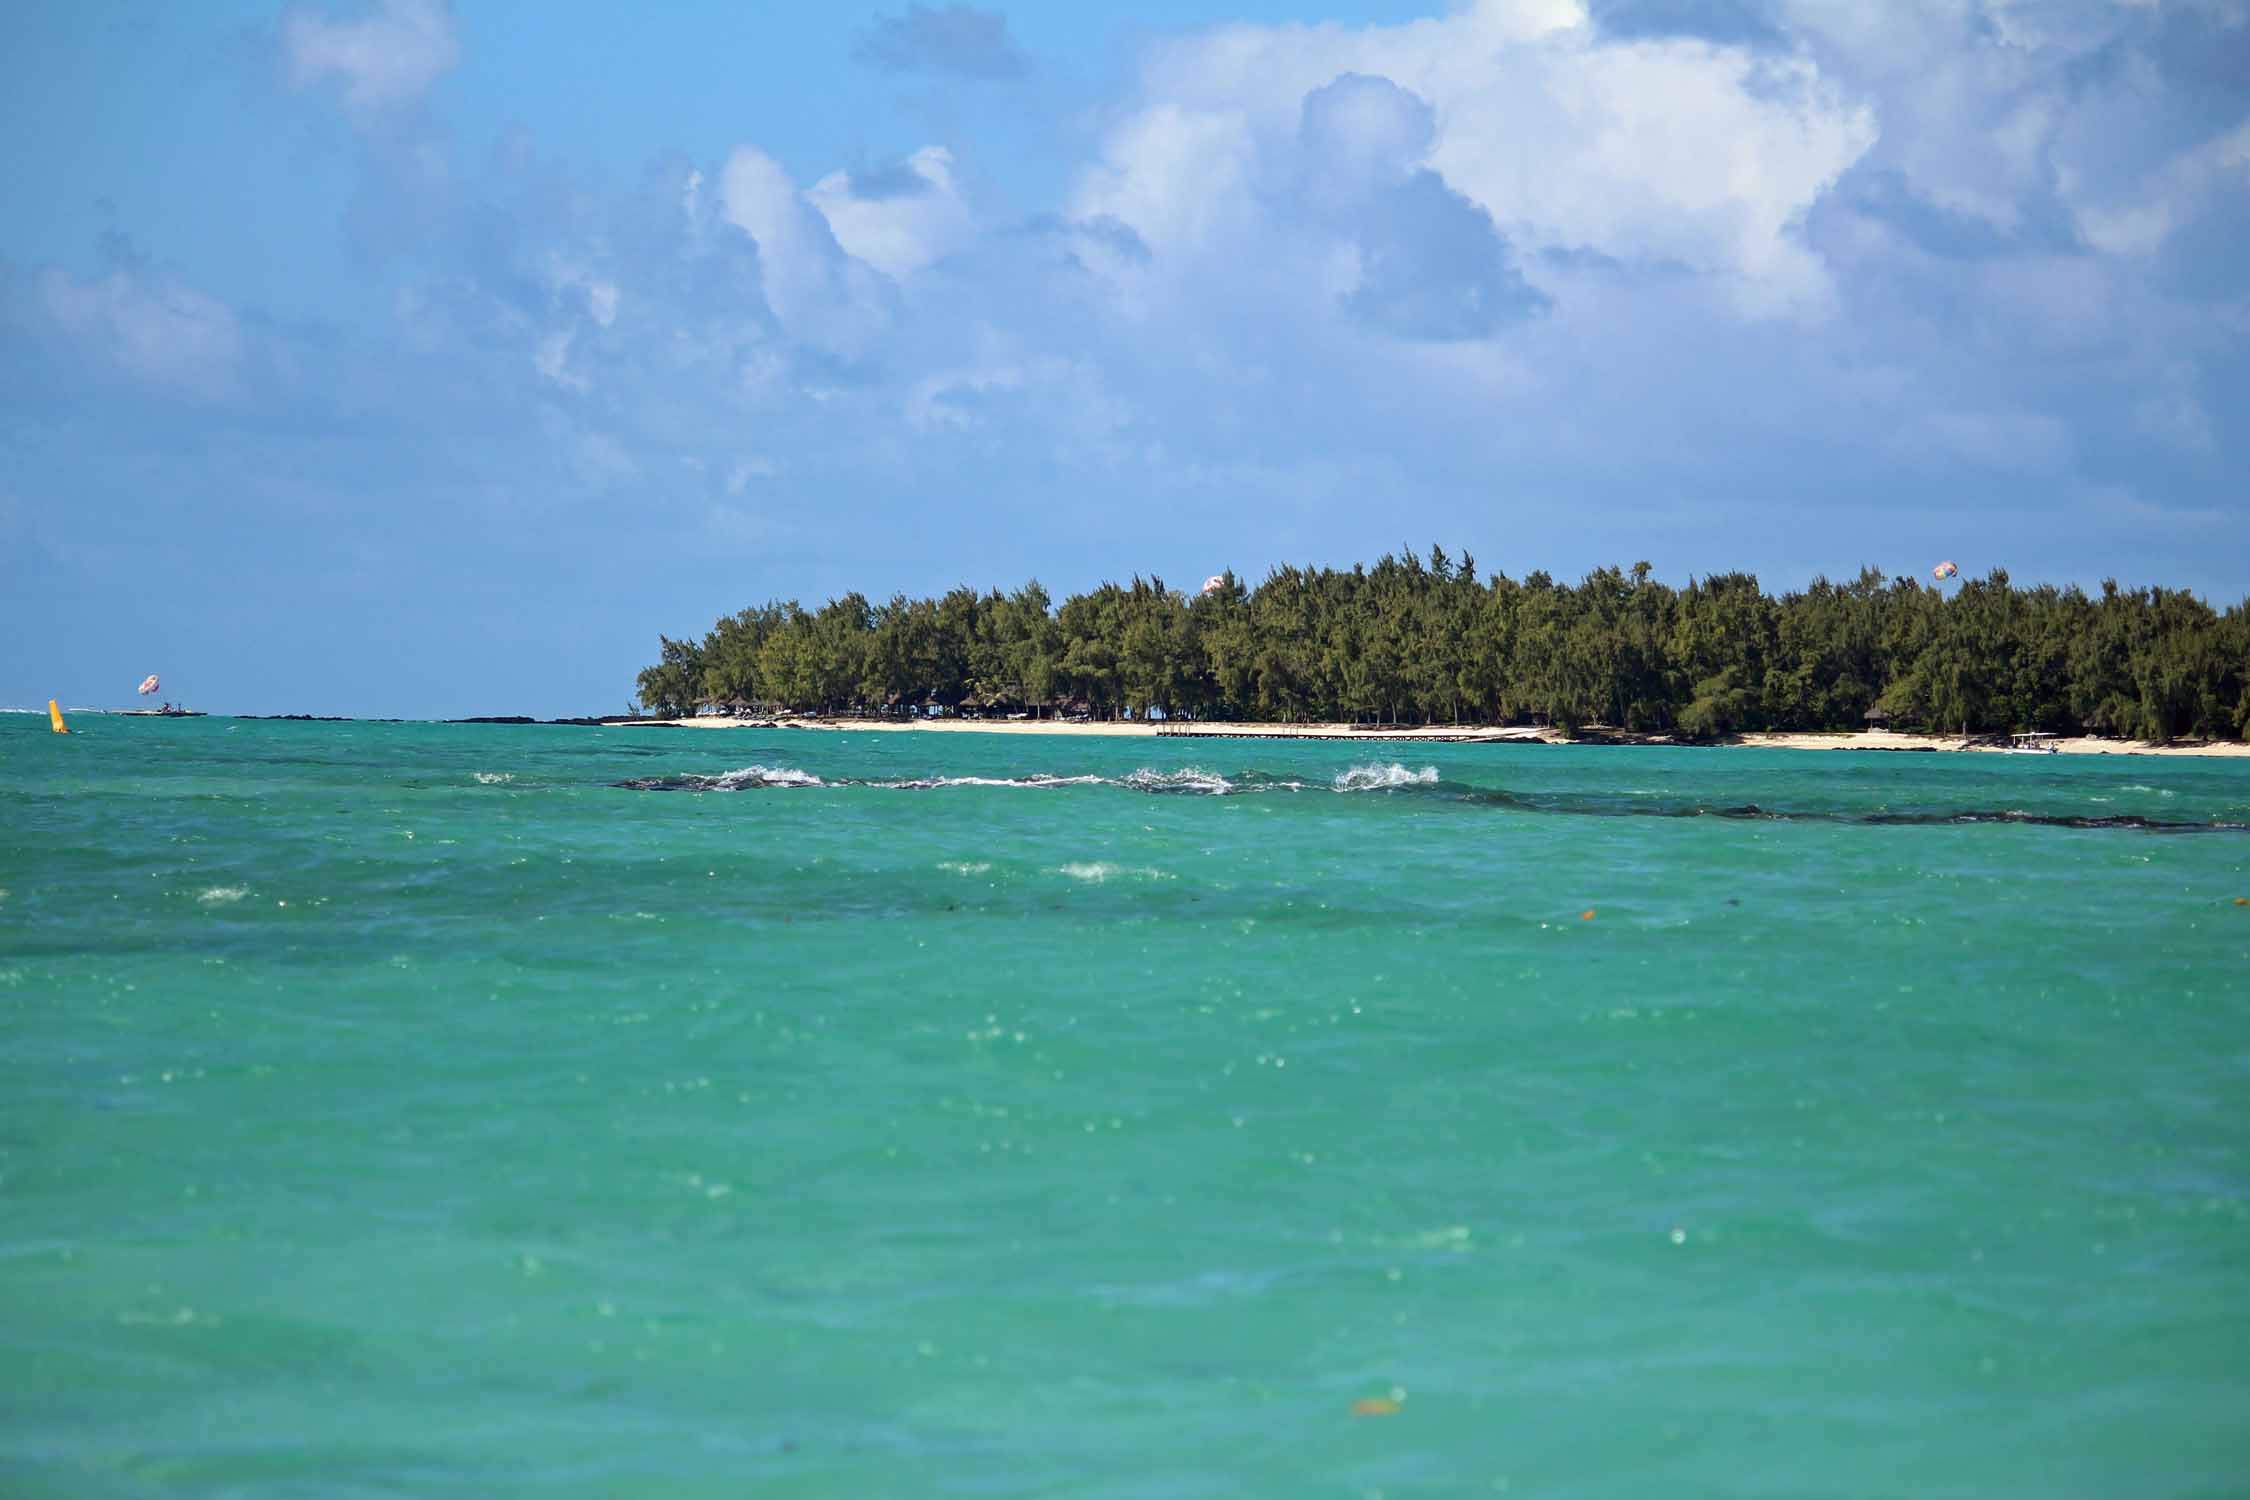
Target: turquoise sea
(487, 1110)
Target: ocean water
(467, 1110)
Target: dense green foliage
(1424, 640)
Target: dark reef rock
(586, 721)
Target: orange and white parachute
(1945, 570)
(149, 684)
(1214, 583)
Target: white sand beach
(1452, 734)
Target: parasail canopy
(149, 684)
(1943, 571)
(1214, 583)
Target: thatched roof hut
(739, 708)
(1877, 718)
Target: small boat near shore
(2038, 742)
(166, 712)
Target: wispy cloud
(151, 327)
(960, 40)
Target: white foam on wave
(1373, 778)
(765, 776)
(493, 778)
(1186, 779)
(966, 866)
(221, 895)
(1096, 872)
(935, 783)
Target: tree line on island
(1425, 640)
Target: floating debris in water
(1587, 915)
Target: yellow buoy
(54, 717)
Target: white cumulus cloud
(1648, 151)
(898, 220)
(821, 294)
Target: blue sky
(404, 358)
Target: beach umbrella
(149, 684)
(1945, 570)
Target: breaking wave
(1190, 779)
(1384, 778)
(746, 779)
(222, 895)
(1393, 777)
(936, 783)
(1097, 872)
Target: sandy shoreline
(1449, 734)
